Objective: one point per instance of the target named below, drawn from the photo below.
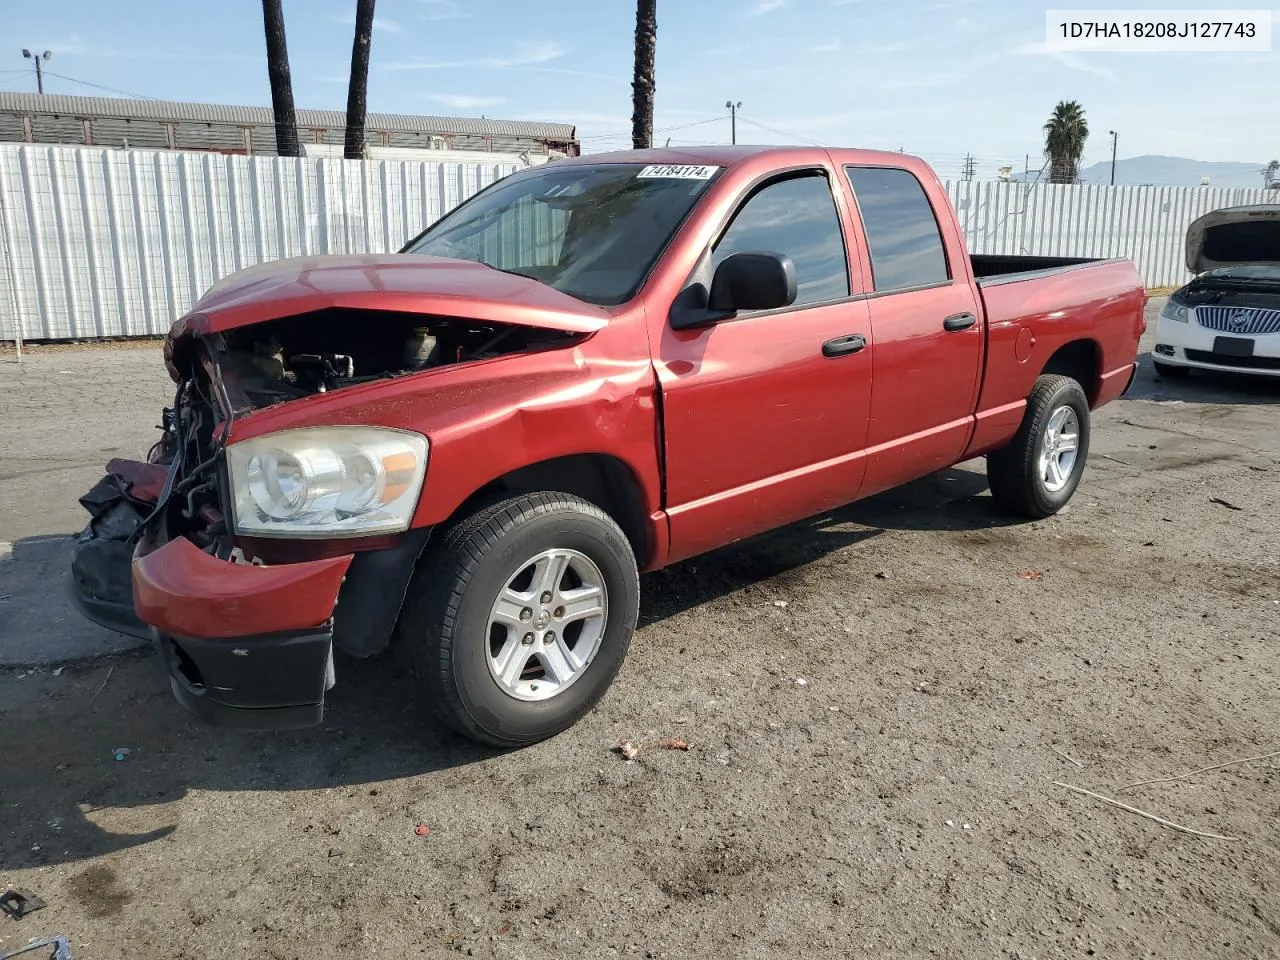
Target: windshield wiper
(518, 273)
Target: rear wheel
(519, 619)
(1036, 474)
(1170, 371)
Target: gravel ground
(877, 704)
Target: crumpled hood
(1234, 236)
(401, 282)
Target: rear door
(926, 323)
(762, 425)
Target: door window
(902, 232)
(797, 218)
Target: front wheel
(1036, 474)
(519, 619)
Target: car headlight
(326, 481)
(1175, 311)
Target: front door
(762, 425)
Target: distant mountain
(1171, 172)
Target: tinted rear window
(902, 232)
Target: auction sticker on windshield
(677, 172)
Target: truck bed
(990, 269)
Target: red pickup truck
(591, 369)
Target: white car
(1228, 317)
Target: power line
(99, 86)
(683, 126)
(781, 133)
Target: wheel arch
(1081, 360)
(599, 478)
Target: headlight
(326, 481)
(1175, 311)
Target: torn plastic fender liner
(101, 581)
(180, 589)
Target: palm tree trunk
(281, 84)
(642, 85)
(358, 91)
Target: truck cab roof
(729, 156)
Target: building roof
(165, 110)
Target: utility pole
(733, 119)
(968, 167)
(1115, 137)
(38, 58)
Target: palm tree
(281, 84)
(358, 89)
(643, 83)
(1269, 174)
(1064, 137)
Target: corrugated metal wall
(1146, 224)
(108, 243)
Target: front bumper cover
(1186, 336)
(245, 645)
(271, 682)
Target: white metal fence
(1146, 224)
(109, 243)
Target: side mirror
(753, 281)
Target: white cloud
(1070, 60)
(829, 47)
(379, 23)
(443, 10)
(464, 101)
(759, 8)
(526, 53)
(949, 4)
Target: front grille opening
(1244, 321)
(1250, 363)
(186, 666)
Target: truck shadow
(95, 755)
(1202, 386)
(952, 500)
(71, 793)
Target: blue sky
(940, 78)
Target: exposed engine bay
(1231, 292)
(335, 348)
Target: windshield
(591, 231)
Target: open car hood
(398, 282)
(1234, 236)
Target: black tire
(445, 625)
(1014, 472)
(1170, 371)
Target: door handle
(842, 345)
(959, 321)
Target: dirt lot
(877, 706)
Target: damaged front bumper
(245, 645)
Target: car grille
(1244, 321)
